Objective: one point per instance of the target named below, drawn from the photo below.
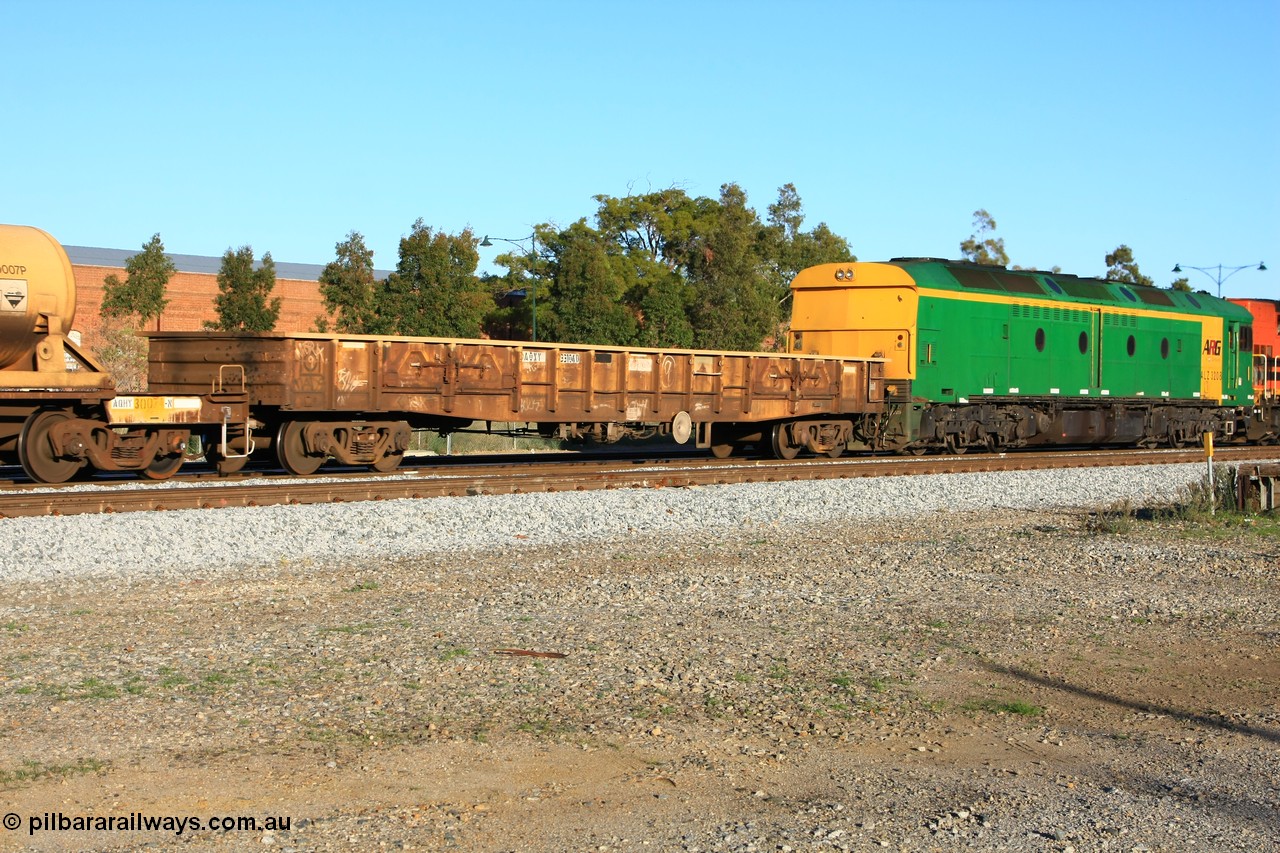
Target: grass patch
(35, 771)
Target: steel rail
(127, 496)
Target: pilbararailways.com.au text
(140, 822)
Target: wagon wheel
(36, 453)
(292, 453)
(782, 448)
(390, 462)
(225, 465)
(836, 452)
(163, 467)
(722, 451)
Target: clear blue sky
(284, 126)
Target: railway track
(428, 480)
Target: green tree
(348, 286)
(733, 305)
(434, 291)
(142, 293)
(1181, 284)
(1122, 267)
(587, 291)
(788, 250)
(982, 247)
(242, 302)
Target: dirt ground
(763, 695)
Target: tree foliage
(982, 247)
(142, 293)
(349, 287)
(663, 269)
(587, 291)
(243, 303)
(434, 291)
(1122, 267)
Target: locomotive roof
(964, 276)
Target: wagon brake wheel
(782, 448)
(36, 453)
(292, 452)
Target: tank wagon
(60, 414)
(983, 357)
(357, 398)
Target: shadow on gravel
(1145, 707)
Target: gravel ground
(98, 546)
(910, 663)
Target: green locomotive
(983, 357)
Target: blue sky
(284, 126)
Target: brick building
(190, 293)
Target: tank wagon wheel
(164, 467)
(292, 452)
(782, 447)
(36, 453)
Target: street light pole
(533, 281)
(1219, 277)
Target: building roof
(89, 256)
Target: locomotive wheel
(953, 444)
(782, 448)
(292, 453)
(163, 467)
(36, 453)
